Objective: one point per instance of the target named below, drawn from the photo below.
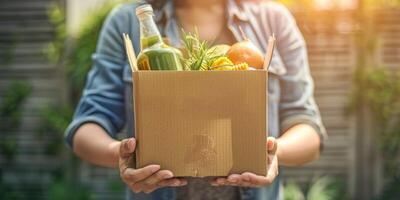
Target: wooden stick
(270, 51)
(130, 53)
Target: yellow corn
(222, 68)
(221, 61)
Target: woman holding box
(105, 106)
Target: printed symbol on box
(202, 151)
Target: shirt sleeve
(297, 103)
(102, 100)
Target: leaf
(199, 56)
(322, 189)
(292, 192)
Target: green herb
(198, 55)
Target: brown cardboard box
(202, 123)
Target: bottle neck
(149, 34)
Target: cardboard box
(202, 123)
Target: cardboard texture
(202, 123)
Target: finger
(135, 175)
(136, 188)
(157, 177)
(164, 183)
(256, 180)
(233, 178)
(222, 181)
(173, 182)
(213, 182)
(272, 145)
(219, 181)
(272, 170)
(242, 181)
(127, 147)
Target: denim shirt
(107, 97)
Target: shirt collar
(236, 11)
(165, 13)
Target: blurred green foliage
(292, 191)
(8, 148)
(379, 89)
(322, 188)
(66, 190)
(7, 54)
(56, 49)
(391, 191)
(54, 119)
(10, 115)
(8, 192)
(377, 93)
(74, 53)
(80, 61)
(10, 108)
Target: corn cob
(221, 61)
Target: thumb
(272, 145)
(127, 147)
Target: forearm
(298, 145)
(94, 145)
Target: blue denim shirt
(107, 96)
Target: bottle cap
(143, 8)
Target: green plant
(379, 89)
(55, 49)
(322, 188)
(77, 55)
(326, 188)
(54, 120)
(65, 190)
(10, 108)
(199, 55)
(292, 192)
(10, 115)
(8, 52)
(391, 191)
(74, 53)
(8, 147)
(116, 185)
(80, 61)
(8, 192)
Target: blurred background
(354, 53)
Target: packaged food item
(155, 54)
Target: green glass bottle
(155, 54)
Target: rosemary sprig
(198, 55)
